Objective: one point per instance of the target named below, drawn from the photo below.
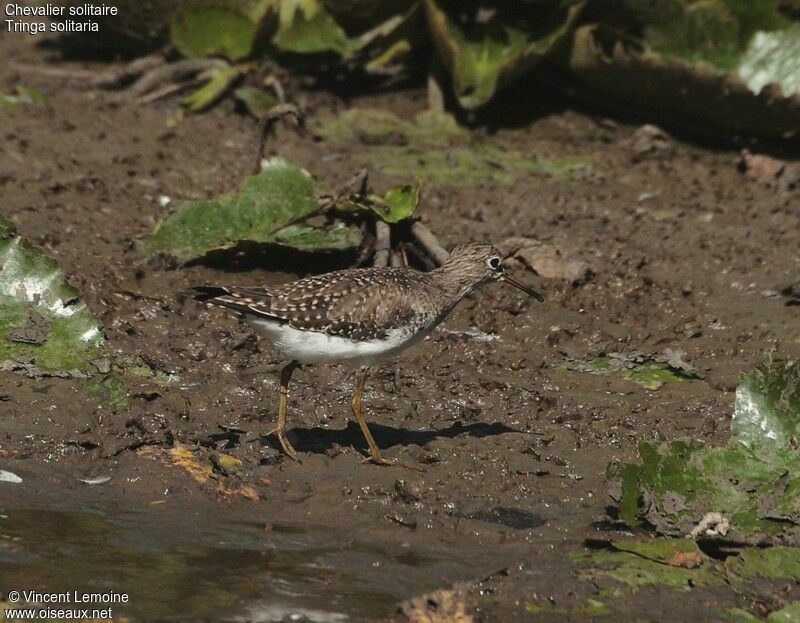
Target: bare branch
(429, 243)
(275, 114)
(86, 78)
(172, 73)
(383, 234)
(359, 180)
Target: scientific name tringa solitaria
(359, 316)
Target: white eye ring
(494, 263)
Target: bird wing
(357, 304)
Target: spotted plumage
(357, 304)
(358, 316)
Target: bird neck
(453, 284)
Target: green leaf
(377, 40)
(633, 564)
(400, 202)
(385, 47)
(773, 58)
(42, 318)
(21, 95)
(787, 614)
(257, 102)
(397, 204)
(280, 195)
(219, 82)
(217, 31)
(647, 371)
(111, 391)
(753, 481)
(772, 562)
(767, 406)
(305, 238)
(305, 27)
(638, 564)
(484, 53)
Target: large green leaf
(772, 58)
(484, 52)
(256, 101)
(332, 238)
(628, 565)
(43, 321)
(278, 197)
(220, 80)
(227, 29)
(719, 66)
(753, 481)
(767, 407)
(306, 27)
(388, 35)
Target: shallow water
(175, 569)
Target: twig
(109, 79)
(398, 259)
(172, 73)
(429, 243)
(383, 236)
(420, 256)
(435, 94)
(360, 179)
(139, 443)
(272, 81)
(166, 91)
(275, 114)
(365, 249)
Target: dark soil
(682, 248)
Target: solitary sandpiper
(360, 316)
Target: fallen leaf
(45, 327)
(268, 208)
(485, 49)
(544, 259)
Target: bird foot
(377, 460)
(288, 449)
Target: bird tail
(230, 298)
(206, 293)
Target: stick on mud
(429, 243)
(382, 243)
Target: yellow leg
(374, 453)
(280, 431)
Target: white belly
(313, 347)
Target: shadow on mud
(320, 440)
(246, 256)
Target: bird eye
(494, 263)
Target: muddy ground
(681, 247)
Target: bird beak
(521, 286)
